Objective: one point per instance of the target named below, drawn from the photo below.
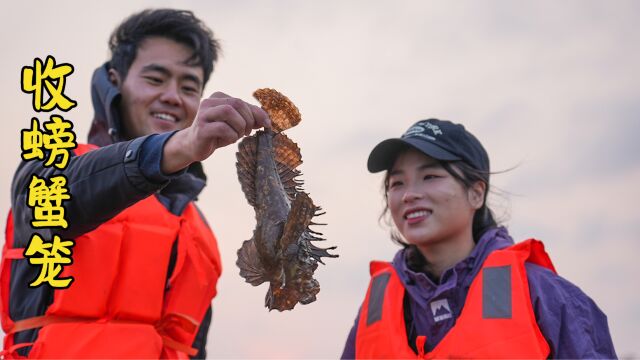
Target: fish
(281, 250)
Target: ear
(114, 77)
(476, 194)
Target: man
(145, 263)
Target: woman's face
(427, 204)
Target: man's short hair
(178, 25)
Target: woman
(460, 288)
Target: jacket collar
(422, 288)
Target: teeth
(416, 214)
(165, 116)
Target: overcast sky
(550, 87)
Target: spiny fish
(281, 249)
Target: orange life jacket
(497, 320)
(120, 304)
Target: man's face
(161, 92)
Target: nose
(411, 195)
(170, 95)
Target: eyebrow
(425, 166)
(164, 71)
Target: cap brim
(384, 154)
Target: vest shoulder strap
(376, 267)
(530, 250)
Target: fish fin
(251, 268)
(269, 299)
(302, 212)
(288, 158)
(318, 253)
(282, 112)
(286, 152)
(246, 167)
(299, 218)
(315, 252)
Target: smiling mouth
(165, 117)
(416, 214)
(413, 217)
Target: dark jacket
(570, 321)
(102, 183)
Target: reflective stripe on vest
(497, 320)
(496, 292)
(378, 286)
(121, 303)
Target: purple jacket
(571, 322)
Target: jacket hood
(106, 127)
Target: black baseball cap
(439, 139)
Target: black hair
(483, 218)
(178, 25)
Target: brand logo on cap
(420, 130)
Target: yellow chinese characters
(58, 140)
(45, 197)
(52, 79)
(52, 256)
(46, 201)
(32, 142)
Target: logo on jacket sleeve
(441, 310)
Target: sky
(550, 88)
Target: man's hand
(221, 120)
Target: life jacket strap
(40, 321)
(176, 345)
(11, 352)
(182, 321)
